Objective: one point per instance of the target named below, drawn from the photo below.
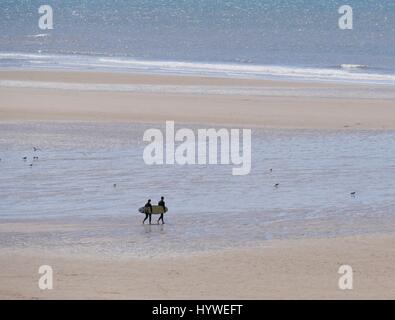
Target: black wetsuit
(162, 204)
(148, 215)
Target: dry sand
(286, 269)
(238, 110)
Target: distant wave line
(342, 73)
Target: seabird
(276, 185)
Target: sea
(292, 39)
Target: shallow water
(79, 163)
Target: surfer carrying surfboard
(161, 203)
(148, 211)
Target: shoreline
(128, 77)
(340, 73)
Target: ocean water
(79, 163)
(273, 38)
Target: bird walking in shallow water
(276, 185)
(353, 194)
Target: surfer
(161, 203)
(148, 211)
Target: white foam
(10, 55)
(40, 35)
(254, 71)
(344, 73)
(353, 66)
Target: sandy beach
(299, 269)
(266, 128)
(24, 103)
(275, 269)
